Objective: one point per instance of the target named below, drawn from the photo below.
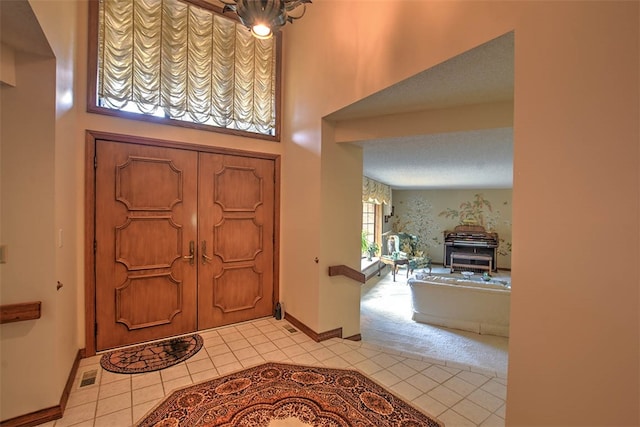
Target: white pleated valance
(376, 192)
(172, 59)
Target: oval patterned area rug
(151, 356)
(279, 394)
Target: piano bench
(468, 261)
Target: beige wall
(39, 219)
(490, 115)
(576, 136)
(574, 344)
(27, 181)
(7, 65)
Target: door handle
(192, 250)
(205, 258)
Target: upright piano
(472, 239)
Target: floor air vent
(291, 329)
(89, 378)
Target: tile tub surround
(464, 304)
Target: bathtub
(469, 305)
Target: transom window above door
(174, 62)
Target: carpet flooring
(275, 394)
(385, 320)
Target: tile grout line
(329, 351)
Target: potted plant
(364, 243)
(372, 250)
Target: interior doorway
(449, 127)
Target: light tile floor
(458, 395)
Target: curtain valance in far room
(376, 192)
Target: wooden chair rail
(345, 270)
(18, 312)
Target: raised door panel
(146, 202)
(236, 226)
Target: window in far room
(178, 63)
(369, 223)
(376, 196)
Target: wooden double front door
(184, 241)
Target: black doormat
(152, 356)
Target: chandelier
(265, 17)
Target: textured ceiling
(472, 159)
